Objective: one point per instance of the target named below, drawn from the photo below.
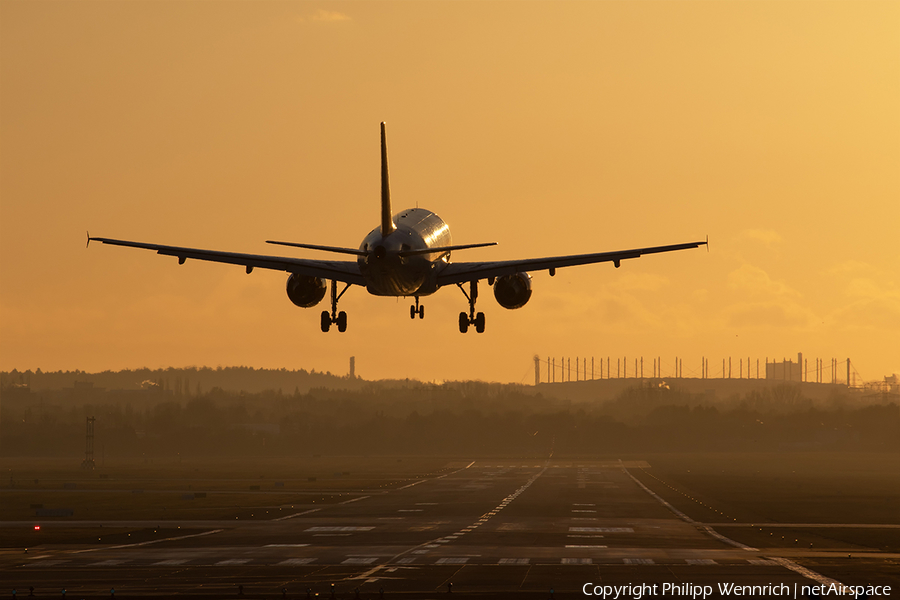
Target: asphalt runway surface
(494, 528)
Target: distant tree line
(454, 419)
(188, 381)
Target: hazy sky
(549, 127)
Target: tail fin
(387, 222)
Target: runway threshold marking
(336, 529)
(232, 562)
(171, 562)
(787, 564)
(295, 562)
(359, 561)
(451, 561)
(180, 537)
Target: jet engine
(513, 291)
(305, 291)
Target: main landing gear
(338, 318)
(471, 318)
(416, 309)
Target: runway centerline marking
(305, 512)
(181, 537)
(353, 500)
(425, 547)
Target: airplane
(407, 255)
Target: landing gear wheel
(479, 322)
(416, 309)
(463, 322)
(329, 317)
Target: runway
(489, 528)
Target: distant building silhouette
(786, 370)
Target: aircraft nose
(380, 252)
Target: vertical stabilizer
(387, 222)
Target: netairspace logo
(701, 592)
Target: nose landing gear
(335, 317)
(417, 309)
(471, 318)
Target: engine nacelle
(513, 291)
(305, 291)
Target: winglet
(707, 243)
(387, 221)
(88, 240)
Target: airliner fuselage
(388, 271)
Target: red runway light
(37, 527)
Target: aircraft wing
(471, 271)
(345, 271)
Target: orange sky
(551, 128)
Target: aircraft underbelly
(394, 282)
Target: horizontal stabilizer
(445, 248)
(315, 247)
